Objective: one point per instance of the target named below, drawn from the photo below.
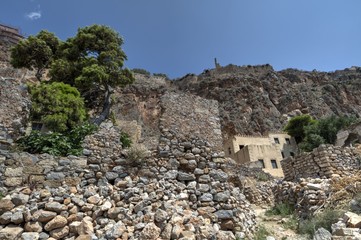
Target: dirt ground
(274, 225)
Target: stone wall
(14, 106)
(188, 116)
(180, 192)
(306, 195)
(324, 161)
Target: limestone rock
(5, 205)
(11, 232)
(5, 218)
(55, 207)
(150, 231)
(160, 215)
(20, 199)
(116, 231)
(57, 222)
(59, 233)
(17, 217)
(30, 236)
(44, 216)
(322, 234)
(33, 227)
(353, 220)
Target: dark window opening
(241, 146)
(288, 141)
(274, 163)
(261, 162)
(229, 151)
(277, 140)
(292, 154)
(283, 155)
(36, 126)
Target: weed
(136, 155)
(282, 209)
(262, 233)
(263, 177)
(58, 144)
(324, 219)
(291, 223)
(125, 140)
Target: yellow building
(268, 151)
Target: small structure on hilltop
(10, 34)
(268, 150)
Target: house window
(292, 154)
(277, 140)
(261, 162)
(274, 163)
(288, 141)
(283, 155)
(229, 151)
(241, 146)
(36, 126)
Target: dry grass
(344, 189)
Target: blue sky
(177, 37)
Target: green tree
(93, 62)
(296, 126)
(35, 52)
(329, 126)
(57, 105)
(312, 133)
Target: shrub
(295, 127)
(291, 223)
(125, 140)
(141, 71)
(310, 133)
(57, 105)
(324, 219)
(136, 155)
(282, 209)
(161, 75)
(263, 177)
(57, 144)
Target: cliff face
(258, 99)
(252, 99)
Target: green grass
(291, 223)
(262, 233)
(324, 219)
(263, 177)
(281, 209)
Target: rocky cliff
(258, 99)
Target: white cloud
(34, 15)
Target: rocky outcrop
(258, 99)
(349, 136)
(140, 103)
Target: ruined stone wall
(14, 107)
(324, 161)
(190, 117)
(10, 34)
(179, 192)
